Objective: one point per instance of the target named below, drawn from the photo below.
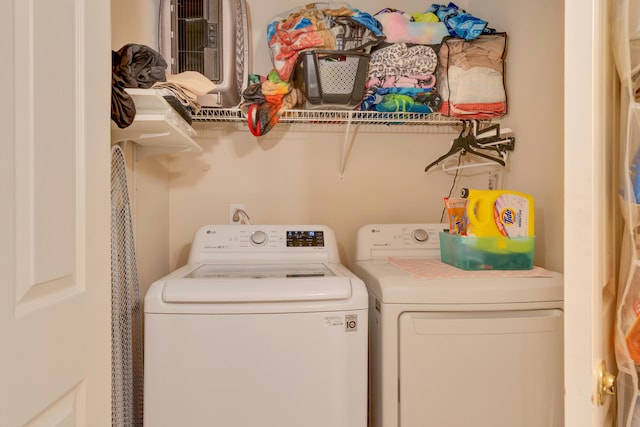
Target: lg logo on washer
(350, 322)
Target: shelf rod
(346, 147)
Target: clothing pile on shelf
(132, 66)
(408, 73)
(443, 60)
(471, 77)
(402, 69)
(319, 26)
(337, 32)
(402, 78)
(264, 99)
(136, 66)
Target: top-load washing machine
(263, 327)
(456, 348)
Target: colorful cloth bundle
(400, 27)
(460, 23)
(265, 99)
(401, 78)
(322, 26)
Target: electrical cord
(239, 215)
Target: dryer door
(486, 369)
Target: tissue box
(487, 253)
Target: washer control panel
(383, 240)
(232, 241)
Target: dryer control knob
(420, 235)
(259, 238)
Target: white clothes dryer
(455, 348)
(262, 327)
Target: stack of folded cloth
(402, 78)
(402, 70)
(471, 77)
(186, 87)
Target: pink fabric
(430, 268)
(398, 28)
(474, 111)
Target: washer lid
(259, 271)
(221, 283)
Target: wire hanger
(466, 143)
(446, 165)
(496, 138)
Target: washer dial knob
(420, 235)
(258, 238)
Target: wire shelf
(235, 115)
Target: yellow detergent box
(487, 253)
(499, 213)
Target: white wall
(291, 174)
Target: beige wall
(291, 175)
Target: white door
(590, 200)
(54, 217)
